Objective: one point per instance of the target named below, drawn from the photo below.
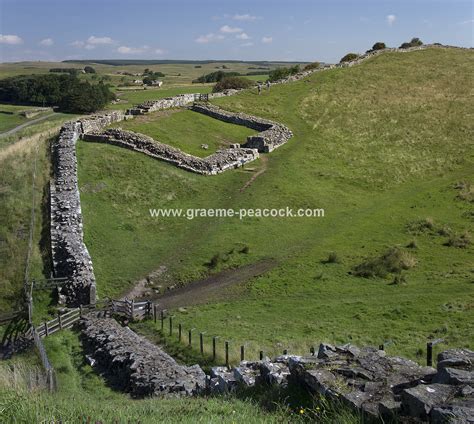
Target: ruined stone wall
(271, 134)
(372, 383)
(172, 102)
(214, 164)
(135, 365)
(71, 258)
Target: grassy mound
(377, 146)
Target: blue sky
(207, 29)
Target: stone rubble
(216, 163)
(134, 364)
(271, 134)
(369, 381)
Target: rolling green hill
(381, 147)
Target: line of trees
(65, 91)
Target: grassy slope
(184, 129)
(84, 395)
(377, 146)
(16, 170)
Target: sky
(291, 30)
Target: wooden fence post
(261, 355)
(132, 308)
(154, 312)
(80, 311)
(60, 321)
(242, 353)
(201, 343)
(190, 337)
(227, 354)
(46, 330)
(162, 317)
(214, 339)
(171, 325)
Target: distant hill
(124, 62)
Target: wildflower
(301, 411)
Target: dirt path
(201, 291)
(26, 124)
(264, 160)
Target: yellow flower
(318, 408)
(301, 411)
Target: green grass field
(184, 129)
(378, 146)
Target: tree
(281, 73)
(232, 83)
(89, 70)
(349, 57)
(379, 45)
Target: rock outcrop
(271, 134)
(134, 364)
(214, 164)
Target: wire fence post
(242, 353)
(180, 329)
(214, 339)
(227, 354)
(429, 354)
(171, 325)
(154, 313)
(190, 335)
(162, 317)
(201, 343)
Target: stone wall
(133, 364)
(271, 134)
(214, 164)
(370, 382)
(71, 258)
(172, 102)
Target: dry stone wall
(136, 365)
(271, 134)
(71, 258)
(214, 164)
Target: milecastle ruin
(364, 378)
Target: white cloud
(160, 51)
(132, 50)
(391, 19)
(78, 44)
(230, 30)
(10, 39)
(204, 39)
(246, 17)
(267, 40)
(99, 40)
(46, 42)
(249, 44)
(242, 36)
(470, 21)
(89, 47)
